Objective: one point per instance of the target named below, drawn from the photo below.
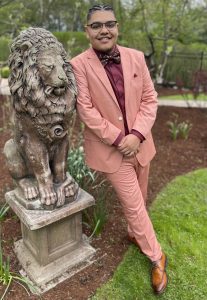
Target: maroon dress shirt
(115, 74)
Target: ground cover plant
(95, 217)
(179, 129)
(7, 277)
(173, 158)
(179, 215)
(3, 210)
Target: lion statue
(43, 90)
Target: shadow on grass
(179, 215)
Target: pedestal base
(47, 277)
(52, 246)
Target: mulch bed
(173, 158)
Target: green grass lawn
(179, 215)
(185, 97)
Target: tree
(12, 15)
(5, 2)
(162, 23)
(54, 15)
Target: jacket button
(120, 118)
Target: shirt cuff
(118, 139)
(138, 134)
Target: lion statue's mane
(29, 93)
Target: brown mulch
(173, 158)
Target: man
(117, 103)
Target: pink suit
(98, 108)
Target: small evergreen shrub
(4, 48)
(73, 42)
(4, 72)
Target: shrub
(94, 217)
(78, 169)
(73, 42)
(4, 48)
(4, 72)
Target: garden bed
(173, 158)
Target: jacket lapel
(101, 73)
(127, 73)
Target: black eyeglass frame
(103, 24)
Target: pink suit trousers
(130, 183)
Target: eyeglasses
(96, 26)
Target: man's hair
(98, 7)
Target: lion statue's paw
(48, 195)
(29, 188)
(31, 193)
(67, 189)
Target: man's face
(102, 39)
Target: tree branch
(6, 2)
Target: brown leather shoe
(159, 275)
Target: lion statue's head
(41, 81)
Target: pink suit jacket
(99, 110)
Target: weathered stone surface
(46, 277)
(4, 87)
(54, 240)
(43, 95)
(52, 246)
(40, 218)
(35, 204)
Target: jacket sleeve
(148, 106)
(89, 115)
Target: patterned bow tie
(113, 57)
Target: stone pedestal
(52, 247)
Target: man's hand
(129, 145)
